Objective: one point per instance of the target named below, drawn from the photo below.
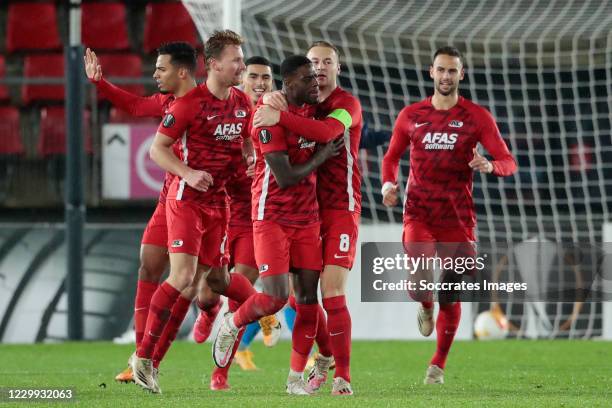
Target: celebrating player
(209, 120)
(256, 80)
(339, 196)
(153, 251)
(442, 132)
(285, 226)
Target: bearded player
(442, 132)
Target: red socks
(144, 293)
(339, 326)
(304, 334)
(159, 313)
(257, 306)
(179, 311)
(239, 288)
(322, 339)
(446, 327)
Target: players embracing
(338, 116)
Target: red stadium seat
(52, 132)
(36, 66)
(32, 26)
(10, 134)
(4, 93)
(166, 22)
(123, 66)
(104, 26)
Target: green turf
(504, 373)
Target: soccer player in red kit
(339, 196)
(154, 252)
(209, 121)
(256, 80)
(442, 132)
(285, 226)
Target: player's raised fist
(389, 192)
(93, 69)
(266, 116)
(480, 163)
(276, 99)
(198, 179)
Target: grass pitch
(385, 374)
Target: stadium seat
(10, 134)
(36, 66)
(120, 116)
(123, 66)
(4, 93)
(166, 22)
(104, 26)
(52, 133)
(32, 26)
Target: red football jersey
(239, 192)
(339, 178)
(439, 190)
(210, 131)
(294, 205)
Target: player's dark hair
(322, 43)
(291, 64)
(257, 60)
(448, 50)
(217, 42)
(182, 54)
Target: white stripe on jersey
(179, 193)
(264, 194)
(349, 170)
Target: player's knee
(217, 281)
(149, 273)
(189, 292)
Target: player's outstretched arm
(320, 131)
(287, 175)
(151, 106)
(161, 153)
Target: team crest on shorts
(263, 268)
(168, 121)
(265, 136)
(177, 243)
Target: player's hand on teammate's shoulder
(330, 149)
(389, 192)
(266, 116)
(277, 100)
(480, 163)
(198, 179)
(93, 69)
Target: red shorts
(197, 230)
(156, 232)
(280, 247)
(420, 239)
(339, 230)
(241, 249)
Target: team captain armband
(342, 116)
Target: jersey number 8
(344, 242)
